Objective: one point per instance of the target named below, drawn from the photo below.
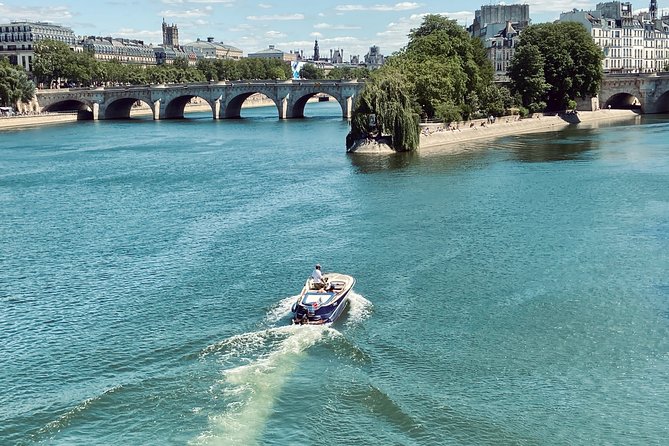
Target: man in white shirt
(317, 277)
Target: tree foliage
(442, 69)
(311, 71)
(55, 62)
(444, 64)
(349, 73)
(14, 84)
(386, 98)
(570, 60)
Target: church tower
(653, 9)
(170, 34)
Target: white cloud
(337, 27)
(316, 34)
(404, 6)
(278, 17)
(274, 34)
(395, 35)
(35, 13)
(188, 13)
(557, 6)
(264, 6)
(146, 36)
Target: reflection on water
(371, 162)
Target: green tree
(386, 97)
(51, 59)
(208, 69)
(443, 64)
(311, 71)
(572, 62)
(526, 72)
(349, 73)
(14, 84)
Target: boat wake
(255, 368)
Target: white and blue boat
(323, 306)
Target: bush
(523, 112)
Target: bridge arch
(232, 108)
(297, 103)
(176, 108)
(623, 100)
(662, 103)
(84, 109)
(121, 108)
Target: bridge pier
(155, 108)
(96, 110)
(347, 107)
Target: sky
(350, 25)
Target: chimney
(210, 39)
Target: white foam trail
(281, 310)
(252, 388)
(359, 310)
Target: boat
(317, 306)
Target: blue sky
(352, 25)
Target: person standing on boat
(317, 277)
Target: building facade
(631, 43)
(214, 50)
(374, 58)
(274, 53)
(125, 51)
(17, 40)
(491, 19)
(500, 27)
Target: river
(514, 293)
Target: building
(495, 18)
(374, 58)
(166, 55)
(500, 27)
(125, 51)
(170, 35)
(273, 53)
(215, 50)
(500, 49)
(17, 40)
(631, 43)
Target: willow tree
(385, 108)
(444, 65)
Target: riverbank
(437, 138)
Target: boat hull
(314, 307)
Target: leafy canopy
(14, 84)
(556, 62)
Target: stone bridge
(224, 98)
(647, 92)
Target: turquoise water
(516, 293)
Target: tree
(51, 59)
(386, 98)
(572, 62)
(527, 74)
(444, 65)
(311, 71)
(349, 73)
(14, 84)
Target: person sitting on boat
(317, 278)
